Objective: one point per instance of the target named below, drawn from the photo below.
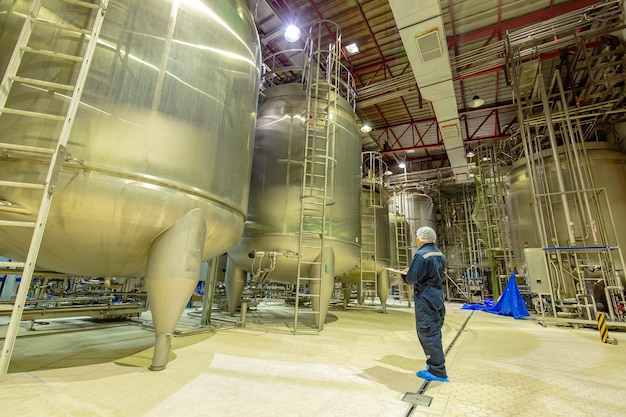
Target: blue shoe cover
(425, 374)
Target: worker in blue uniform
(426, 276)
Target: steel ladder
(321, 83)
(12, 77)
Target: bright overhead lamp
(388, 172)
(470, 154)
(476, 102)
(402, 165)
(352, 48)
(292, 33)
(366, 128)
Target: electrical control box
(537, 269)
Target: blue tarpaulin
(487, 304)
(510, 303)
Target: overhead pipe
(557, 161)
(581, 177)
(526, 137)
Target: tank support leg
(347, 291)
(172, 273)
(234, 282)
(383, 288)
(324, 287)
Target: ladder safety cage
(321, 81)
(373, 170)
(404, 242)
(14, 76)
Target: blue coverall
(426, 275)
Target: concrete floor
(362, 364)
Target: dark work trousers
(429, 314)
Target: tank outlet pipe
(261, 254)
(557, 162)
(260, 274)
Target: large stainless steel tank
(417, 208)
(274, 209)
(608, 165)
(164, 132)
(375, 239)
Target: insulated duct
(421, 28)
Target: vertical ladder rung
(17, 184)
(33, 114)
(53, 54)
(16, 265)
(42, 83)
(60, 26)
(25, 148)
(83, 4)
(15, 223)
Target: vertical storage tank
(375, 249)
(417, 208)
(158, 163)
(274, 212)
(594, 272)
(608, 165)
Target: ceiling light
(366, 128)
(476, 102)
(402, 165)
(470, 154)
(292, 33)
(352, 48)
(388, 172)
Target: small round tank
(162, 137)
(274, 209)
